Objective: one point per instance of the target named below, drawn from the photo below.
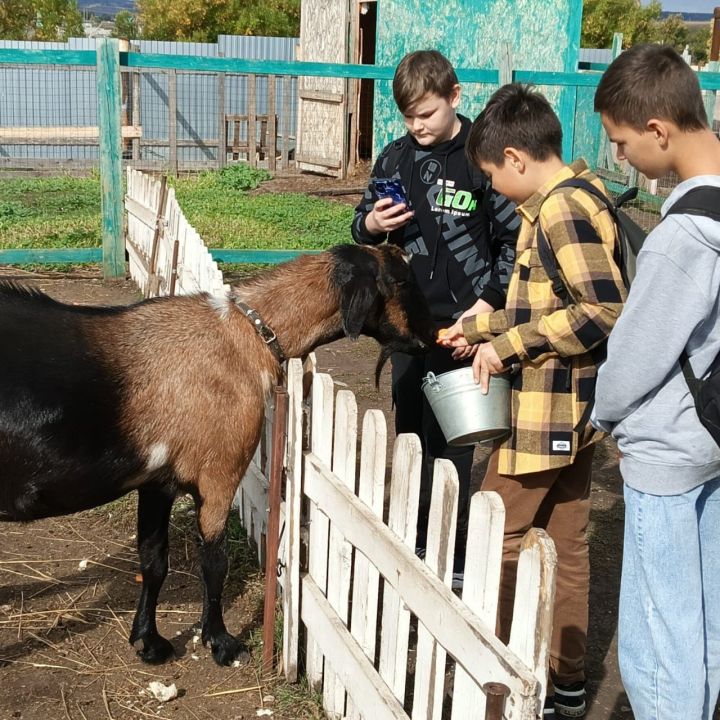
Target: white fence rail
(167, 255)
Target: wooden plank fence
(166, 254)
(365, 590)
(380, 626)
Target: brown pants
(558, 501)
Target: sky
(706, 6)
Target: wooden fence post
(567, 102)
(277, 463)
(605, 154)
(109, 109)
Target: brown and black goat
(167, 396)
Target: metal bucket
(466, 416)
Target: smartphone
(392, 188)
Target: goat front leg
(154, 505)
(212, 519)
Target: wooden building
(341, 121)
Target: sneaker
(458, 576)
(458, 580)
(548, 712)
(570, 700)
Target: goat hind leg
(154, 505)
(212, 519)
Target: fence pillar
(567, 98)
(109, 110)
(605, 155)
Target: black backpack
(704, 201)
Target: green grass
(61, 212)
(226, 218)
(64, 212)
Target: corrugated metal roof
(165, 47)
(257, 47)
(596, 55)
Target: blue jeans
(669, 627)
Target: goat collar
(266, 333)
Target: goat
(167, 396)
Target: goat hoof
(157, 651)
(226, 649)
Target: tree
(193, 20)
(699, 42)
(278, 18)
(603, 18)
(204, 20)
(674, 32)
(16, 19)
(40, 20)
(126, 26)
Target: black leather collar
(266, 333)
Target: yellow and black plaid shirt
(553, 343)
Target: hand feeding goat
(167, 397)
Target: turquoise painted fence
(581, 127)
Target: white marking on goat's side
(221, 305)
(157, 456)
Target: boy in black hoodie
(462, 238)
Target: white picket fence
(167, 255)
(365, 589)
(373, 617)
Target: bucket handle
(433, 383)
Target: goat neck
(298, 301)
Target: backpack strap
(547, 258)
(394, 155)
(703, 200)
(690, 379)
(545, 251)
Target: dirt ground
(68, 590)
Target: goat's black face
(381, 298)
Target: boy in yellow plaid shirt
(543, 470)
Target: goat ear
(356, 300)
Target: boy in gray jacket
(669, 625)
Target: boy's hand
(486, 363)
(480, 307)
(452, 336)
(386, 217)
(463, 353)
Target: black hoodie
(463, 234)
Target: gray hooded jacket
(641, 395)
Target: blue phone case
(385, 187)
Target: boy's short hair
(515, 116)
(651, 81)
(422, 72)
